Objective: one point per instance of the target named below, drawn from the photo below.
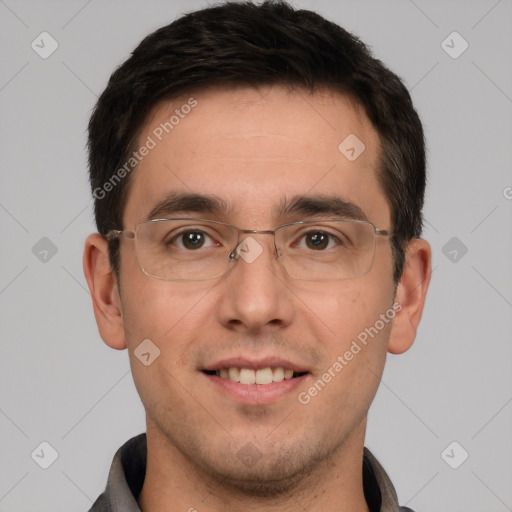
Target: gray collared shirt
(128, 470)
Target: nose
(255, 294)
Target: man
(258, 180)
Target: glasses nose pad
(249, 249)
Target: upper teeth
(249, 376)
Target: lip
(255, 394)
(255, 364)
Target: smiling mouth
(249, 376)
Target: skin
(253, 148)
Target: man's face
(255, 151)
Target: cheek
(359, 327)
(342, 311)
(169, 316)
(157, 309)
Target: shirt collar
(128, 470)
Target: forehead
(254, 149)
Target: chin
(265, 479)
(249, 472)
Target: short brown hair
(244, 44)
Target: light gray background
(59, 383)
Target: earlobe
(104, 293)
(410, 295)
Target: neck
(174, 482)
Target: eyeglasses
(188, 249)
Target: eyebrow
(328, 205)
(187, 202)
(306, 205)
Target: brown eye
(317, 240)
(193, 239)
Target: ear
(410, 295)
(104, 293)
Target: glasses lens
(327, 250)
(184, 249)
